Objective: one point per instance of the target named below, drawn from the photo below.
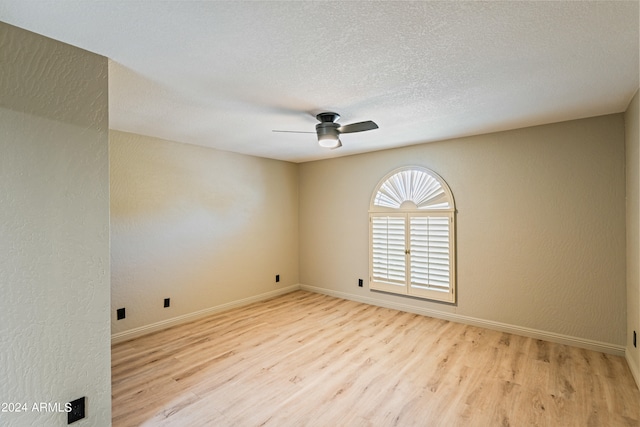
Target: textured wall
(541, 225)
(54, 229)
(632, 138)
(200, 226)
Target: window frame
(409, 211)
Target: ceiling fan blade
(358, 127)
(291, 131)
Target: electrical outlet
(120, 313)
(277, 278)
(167, 302)
(77, 410)
(360, 282)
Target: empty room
(319, 213)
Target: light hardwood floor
(305, 359)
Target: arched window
(411, 235)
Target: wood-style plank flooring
(305, 359)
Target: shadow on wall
(183, 216)
(163, 196)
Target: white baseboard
(489, 324)
(633, 368)
(164, 324)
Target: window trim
(408, 212)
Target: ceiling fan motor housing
(328, 134)
(327, 129)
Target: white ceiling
(225, 74)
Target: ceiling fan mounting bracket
(328, 117)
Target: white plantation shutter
(388, 240)
(412, 231)
(429, 253)
(414, 185)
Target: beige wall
(632, 138)
(541, 225)
(200, 226)
(54, 229)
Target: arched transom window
(411, 235)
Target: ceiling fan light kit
(329, 141)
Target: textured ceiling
(225, 74)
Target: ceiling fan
(328, 130)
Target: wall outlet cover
(77, 410)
